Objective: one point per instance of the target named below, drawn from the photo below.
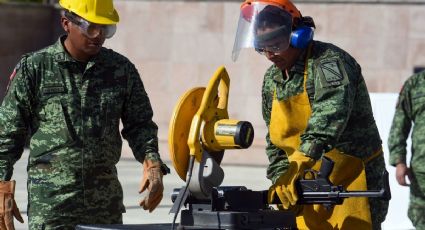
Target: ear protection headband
(303, 34)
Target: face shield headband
(91, 30)
(263, 27)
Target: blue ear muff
(301, 37)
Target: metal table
(125, 227)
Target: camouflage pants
(416, 210)
(55, 203)
(378, 208)
(69, 222)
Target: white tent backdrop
(383, 105)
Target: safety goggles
(275, 41)
(270, 49)
(91, 30)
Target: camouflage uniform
(341, 114)
(72, 112)
(411, 108)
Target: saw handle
(218, 88)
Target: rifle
(319, 190)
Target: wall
(25, 28)
(177, 45)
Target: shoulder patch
(10, 80)
(12, 75)
(332, 73)
(17, 67)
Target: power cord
(189, 176)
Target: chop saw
(200, 130)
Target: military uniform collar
(61, 55)
(59, 52)
(298, 67)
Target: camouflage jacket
(410, 109)
(72, 112)
(341, 111)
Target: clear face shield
(91, 30)
(264, 27)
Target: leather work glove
(8, 207)
(152, 181)
(284, 187)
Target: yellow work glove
(152, 181)
(8, 207)
(284, 187)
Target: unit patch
(332, 73)
(13, 75)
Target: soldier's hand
(401, 172)
(285, 187)
(152, 181)
(8, 207)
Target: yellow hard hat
(95, 11)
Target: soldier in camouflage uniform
(315, 103)
(411, 109)
(70, 98)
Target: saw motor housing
(227, 134)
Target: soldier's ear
(65, 24)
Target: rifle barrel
(338, 194)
